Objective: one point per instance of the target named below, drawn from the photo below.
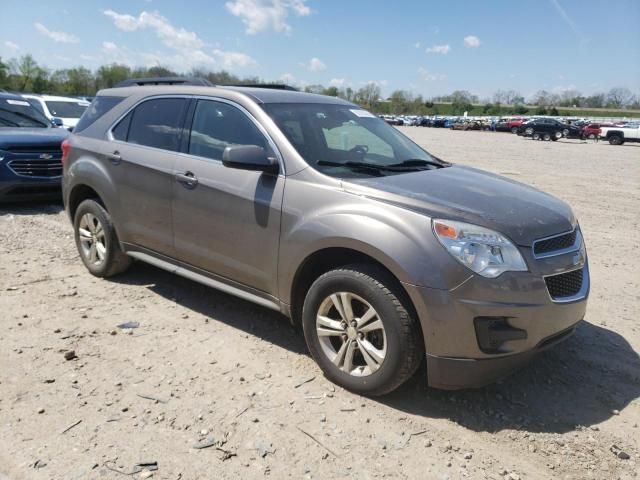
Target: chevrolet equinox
(318, 209)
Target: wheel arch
(330, 258)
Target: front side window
(217, 125)
(345, 141)
(158, 123)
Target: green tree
(108, 76)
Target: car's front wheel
(359, 331)
(97, 241)
(514, 129)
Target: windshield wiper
(419, 162)
(406, 166)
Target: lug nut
(354, 323)
(360, 335)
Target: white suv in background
(67, 109)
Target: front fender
(399, 239)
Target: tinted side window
(158, 123)
(97, 109)
(36, 104)
(217, 125)
(121, 130)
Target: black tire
(557, 135)
(535, 136)
(114, 260)
(404, 343)
(546, 137)
(616, 140)
(514, 129)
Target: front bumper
(22, 190)
(520, 300)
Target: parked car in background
(548, 129)
(630, 132)
(67, 109)
(30, 152)
(314, 207)
(514, 124)
(592, 130)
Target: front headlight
(484, 251)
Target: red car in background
(592, 130)
(514, 124)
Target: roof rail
(132, 82)
(272, 86)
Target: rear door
(226, 220)
(141, 159)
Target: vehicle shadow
(582, 381)
(579, 382)
(51, 207)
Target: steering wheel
(360, 149)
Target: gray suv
(314, 207)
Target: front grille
(564, 285)
(37, 168)
(560, 242)
(53, 148)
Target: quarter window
(217, 125)
(158, 123)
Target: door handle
(188, 179)
(114, 157)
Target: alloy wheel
(92, 239)
(351, 334)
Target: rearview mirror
(249, 157)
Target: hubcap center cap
(352, 333)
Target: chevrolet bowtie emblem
(46, 156)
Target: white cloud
(60, 37)
(440, 49)
(431, 77)
(189, 48)
(11, 46)
(264, 15)
(337, 82)
(417, 45)
(315, 65)
(471, 41)
(232, 60)
(171, 36)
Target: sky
(427, 47)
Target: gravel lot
(204, 368)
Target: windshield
(19, 113)
(338, 139)
(67, 109)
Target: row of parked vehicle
(537, 128)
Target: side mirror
(57, 121)
(249, 157)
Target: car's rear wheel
(615, 140)
(557, 135)
(359, 331)
(514, 129)
(97, 241)
(592, 136)
(546, 137)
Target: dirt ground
(204, 368)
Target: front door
(226, 220)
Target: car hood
(13, 137)
(518, 211)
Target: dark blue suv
(30, 152)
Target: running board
(210, 282)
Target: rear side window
(217, 125)
(158, 123)
(97, 109)
(121, 131)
